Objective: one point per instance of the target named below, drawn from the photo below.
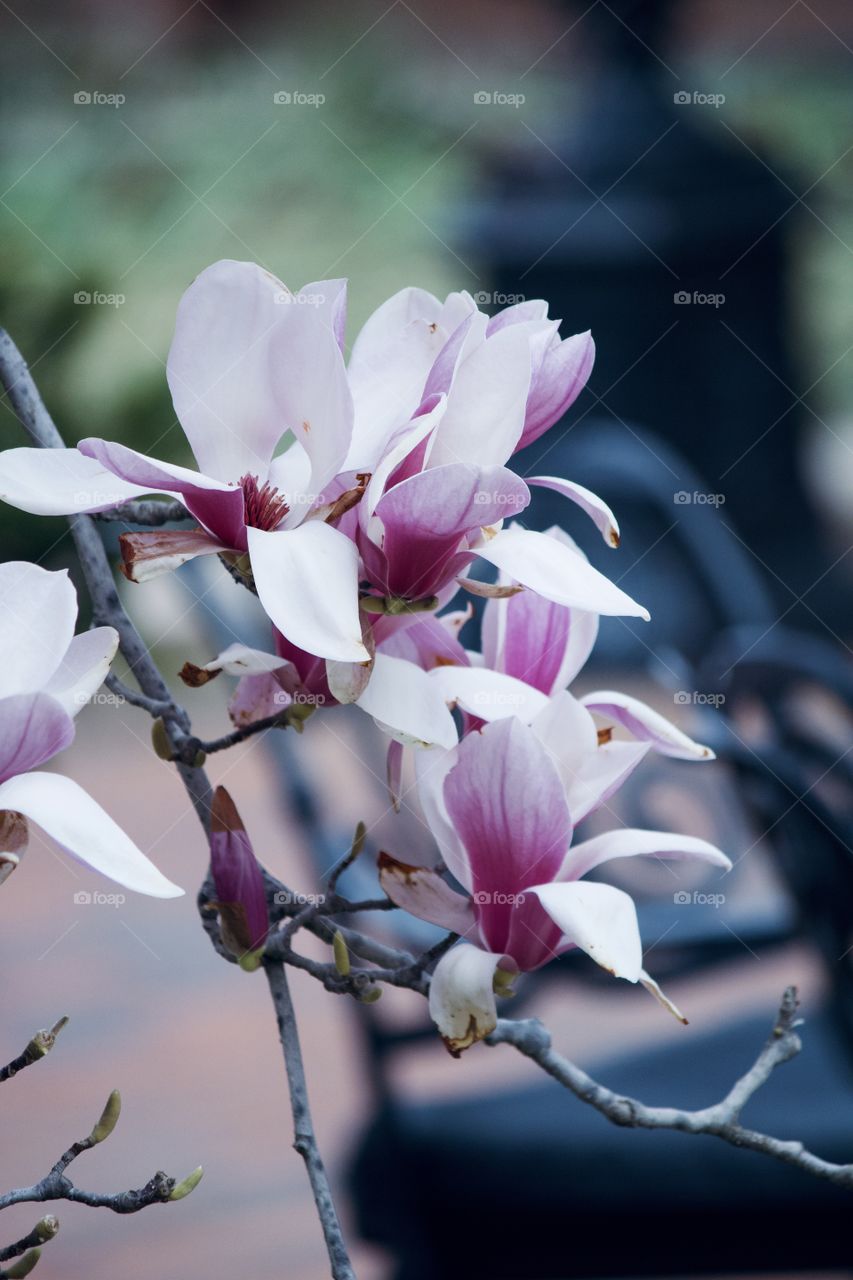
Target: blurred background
(676, 177)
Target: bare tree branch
(304, 1139)
(722, 1120)
(45, 1229)
(148, 511)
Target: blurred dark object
(529, 1183)
(635, 209)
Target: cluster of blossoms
(353, 499)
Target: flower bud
(24, 1265)
(108, 1120)
(13, 841)
(190, 1182)
(47, 1227)
(341, 951)
(239, 883)
(160, 739)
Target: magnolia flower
(47, 675)
(239, 884)
(440, 488)
(249, 363)
(499, 810)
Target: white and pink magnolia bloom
(47, 675)
(500, 811)
(440, 487)
(250, 361)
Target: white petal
(599, 919)
(83, 669)
(220, 368)
(431, 770)
(72, 818)
(646, 724)
(461, 995)
(240, 660)
(38, 610)
(486, 403)
(60, 482)
(489, 695)
(307, 582)
(630, 842)
(545, 565)
(596, 508)
(408, 704)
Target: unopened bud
(341, 951)
(108, 1120)
(24, 1265)
(43, 1041)
(47, 1227)
(371, 995)
(199, 759)
(189, 1184)
(502, 982)
(160, 739)
(251, 960)
(394, 605)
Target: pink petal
(424, 893)
(33, 728)
(646, 724)
(629, 842)
(597, 510)
(559, 380)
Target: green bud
(108, 1120)
(24, 1265)
(251, 961)
(502, 983)
(200, 757)
(160, 739)
(394, 605)
(341, 951)
(47, 1227)
(371, 995)
(358, 842)
(189, 1184)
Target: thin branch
(44, 1230)
(722, 1120)
(304, 1140)
(37, 1048)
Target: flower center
(263, 506)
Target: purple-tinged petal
(228, 338)
(424, 519)
(597, 510)
(83, 669)
(59, 482)
(535, 639)
(557, 383)
(424, 893)
(428, 643)
(307, 582)
(645, 724)
(506, 801)
(394, 773)
(75, 821)
(404, 452)
(535, 309)
(602, 774)
(238, 881)
(150, 553)
(556, 572)
(38, 610)
(215, 504)
(257, 698)
(462, 995)
(34, 727)
(599, 919)
(629, 842)
(347, 681)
